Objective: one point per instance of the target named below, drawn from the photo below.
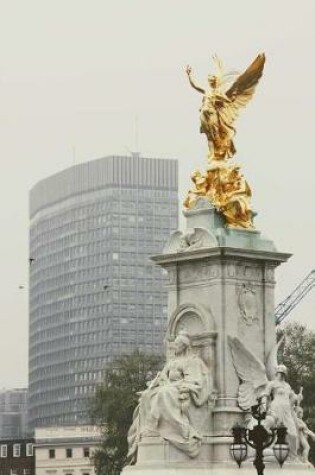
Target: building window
(16, 450)
(4, 451)
(29, 450)
(86, 452)
(68, 453)
(52, 453)
(27, 471)
(13, 471)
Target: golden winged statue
(221, 104)
(223, 185)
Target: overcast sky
(77, 75)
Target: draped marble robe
(163, 408)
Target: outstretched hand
(188, 70)
(300, 396)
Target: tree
(298, 354)
(113, 405)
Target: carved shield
(248, 304)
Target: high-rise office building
(94, 293)
(13, 413)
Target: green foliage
(113, 405)
(298, 354)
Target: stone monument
(221, 349)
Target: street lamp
(281, 448)
(239, 448)
(259, 439)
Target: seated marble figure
(164, 407)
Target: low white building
(65, 450)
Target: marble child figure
(303, 433)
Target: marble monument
(220, 344)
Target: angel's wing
(250, 371)
(272, 360)
(173, 243)
(242, 90)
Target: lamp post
(259, 439)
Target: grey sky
(75, 74)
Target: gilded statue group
(223, 185)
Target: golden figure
(226, 189)
(235, 200)
(199, 188)
(221, 104)
(223, 185)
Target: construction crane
(287, 305)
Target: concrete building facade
(13, 413)
(94, 293)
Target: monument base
(228, 468)
(157, 456)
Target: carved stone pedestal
(221, 285)
(215, 469)
(158, 457)
(228, 468)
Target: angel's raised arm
(309, 433)
(192, 82)
(296, 399)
